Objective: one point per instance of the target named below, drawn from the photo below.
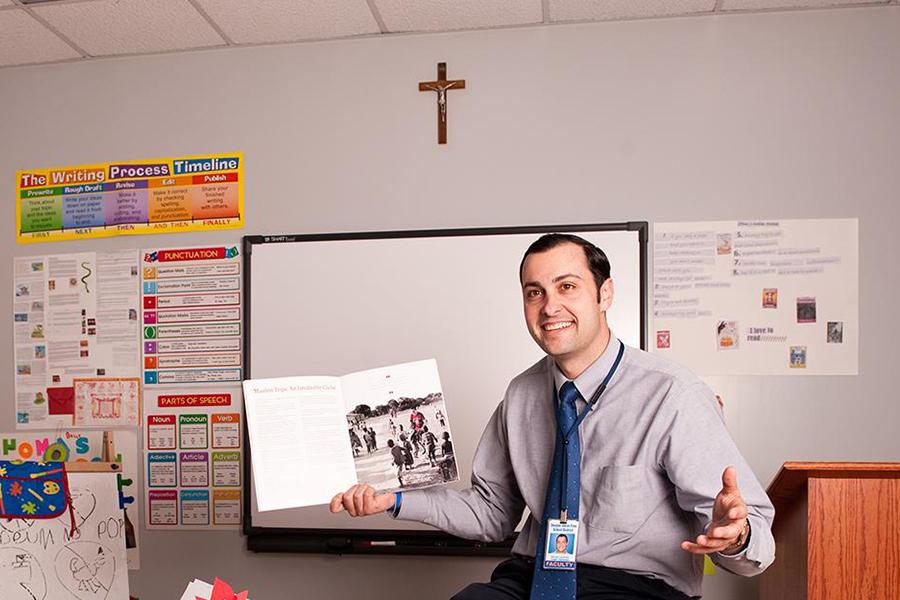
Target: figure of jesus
(442, 97)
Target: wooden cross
(441, 86)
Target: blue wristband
(395, 509)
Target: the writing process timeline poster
(169, 195)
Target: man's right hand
(362, 500)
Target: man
(657, 470)
(562, 542)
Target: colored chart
(192, 315)
(194, 193)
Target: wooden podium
(837, 532)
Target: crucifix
(441, 86)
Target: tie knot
(568, 393)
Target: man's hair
(563, 536)
(597, 261)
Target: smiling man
(642, 471)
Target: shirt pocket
(618, 499)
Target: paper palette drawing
(42, 559)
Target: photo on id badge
(561, 544)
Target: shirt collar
(588, 382)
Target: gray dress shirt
(652, 454)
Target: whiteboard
(336, 304)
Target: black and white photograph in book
(401, 437)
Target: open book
(312, 437)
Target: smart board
(332, 304)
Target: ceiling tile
(441, 15)
(105, 27)
(289, 20)
(24, 40)
(763, 4)
(609, 10)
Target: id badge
(561, 543)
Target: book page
(298, 436)
(398, 426)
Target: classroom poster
(45, 558)
(87, 446)
(757, 297)
(74, 316)
(107, 402)
(192, 311)
(167, 195)
(193, 444)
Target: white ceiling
(71, 30)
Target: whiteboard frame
(400, 541)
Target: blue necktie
(548, 583)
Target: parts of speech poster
(191, 317)
(192, 458)
(169, 195)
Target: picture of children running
(404, 407)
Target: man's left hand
(728, 519)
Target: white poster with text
(757, 297)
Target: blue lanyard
(563, 507)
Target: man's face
(561, 543)
(562, 310)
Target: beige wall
(782, 115)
